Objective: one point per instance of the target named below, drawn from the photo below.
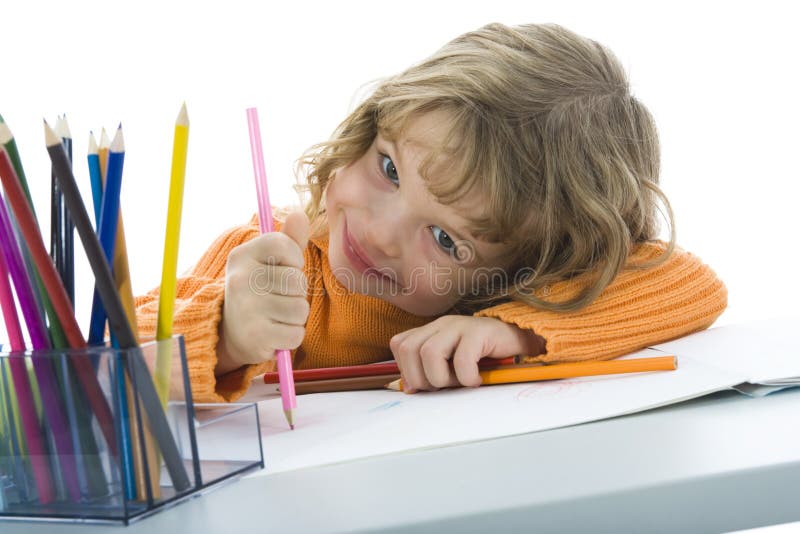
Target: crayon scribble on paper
(554, 389)
(385, 406)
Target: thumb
(298, 228)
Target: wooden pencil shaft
(122, 277)
(106, 232)
(572, 370)
(345, 384)
(109, 210)
(331, 373)
(372, 369)
(118, 323)
(68, 229)
(19, 276)
(535, 373)
(166, 299)
(16, 162)
(95, 178)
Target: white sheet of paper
(761, 351)
(339, 427)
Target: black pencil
(118, 323)
(56, 250)
(67, 227)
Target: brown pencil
(357, 383)
(569, 370)
(371, 369)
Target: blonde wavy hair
(546, 129)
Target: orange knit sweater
(640, 308)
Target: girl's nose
(385, 239)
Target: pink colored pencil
(27, 408)
(265, 218)
(60, 300)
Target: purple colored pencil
(19, 375)
(41, 367)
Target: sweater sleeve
(638, 309)
(197, 314)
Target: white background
(721, 80)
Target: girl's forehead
(432, 130)
(425, 144)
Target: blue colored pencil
(107, 229)
(107, 233)
(95, 178)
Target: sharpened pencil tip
(5, 133)
(92, 144)
(396, 385)
(62, 127)
(183, 117)
(50, 137)
(118, 144)
(104, 141)
(289, 418)
(66, 133)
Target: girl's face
(389, 236)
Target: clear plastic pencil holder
(110, 435)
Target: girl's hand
(423, 354)
(265, 305)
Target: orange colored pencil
(372, 369)
(569, 370)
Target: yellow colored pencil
(534, 373)
(102, 154)
(166, 300)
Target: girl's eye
(444, 241)
(389, 170)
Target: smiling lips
(357, 256)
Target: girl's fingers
(435, 355)
(406, 352)
(276, 280)
(287, 310)
(465, 361)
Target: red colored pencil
(372, 369)
(58, 295)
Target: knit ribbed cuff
(639, 309)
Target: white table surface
(720, 463)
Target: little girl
(497, 199)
